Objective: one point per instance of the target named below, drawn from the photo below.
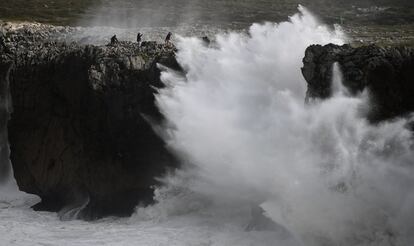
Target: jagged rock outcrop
(79, 132)
(386, 73)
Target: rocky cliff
(78, 115)
(79, 132)
(5, 110)
(387, 74)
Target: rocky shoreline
(79, 132)
(77, 116)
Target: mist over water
(320, 171)
(260, 167)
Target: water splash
(321, 171)
(338, 89)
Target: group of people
(114, 39)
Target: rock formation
(79, 132)
(386, 73)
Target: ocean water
(231, 13)
(259, 166)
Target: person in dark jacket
(139, 38)
(168, 38)
(114, 40)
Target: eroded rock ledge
(386, 73)
(78, 132)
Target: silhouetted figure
(139, 38)
(168, 38)
(114, 40)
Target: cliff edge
(79, 134)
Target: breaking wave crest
(256, 157)
(260, 167)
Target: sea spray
(337, 88)
(239, 121)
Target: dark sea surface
(217, 12)
(366, 21)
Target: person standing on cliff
(139, 38)
(114, 40)
(168, 39)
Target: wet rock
(5, 110)
(79, 130)
(386, 73)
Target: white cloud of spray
(321, 171)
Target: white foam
(321, 171)
(239, 123)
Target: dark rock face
(5, 110)
(79, 131)
(386, 73)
